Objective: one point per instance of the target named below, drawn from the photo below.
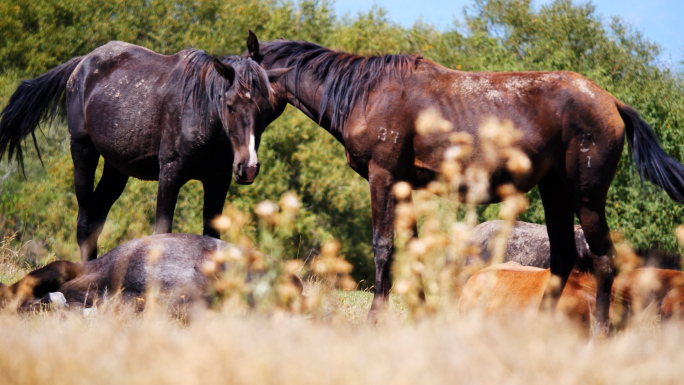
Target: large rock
(527, 245)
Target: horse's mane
(202, 84)
(347, 78)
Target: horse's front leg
(170, 182)
(215, 192)
(382, 206)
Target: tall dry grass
(260, 330)
(220, 347)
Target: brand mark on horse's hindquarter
(588, 137)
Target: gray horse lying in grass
(173, 262)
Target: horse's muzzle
(246, 174)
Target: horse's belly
(140, 159)
(131, 145)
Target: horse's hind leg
(215, 192)
(559, 212)
(592, 216)
(44, 280)
(85, 158)
(108, 190)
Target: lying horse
(150, 116)
(511, 288)
(171, 261)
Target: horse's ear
(225, 70)
(276, 73)
(253, 47)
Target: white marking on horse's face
(248, 95)
(253, 159)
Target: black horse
(151, 116)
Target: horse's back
(128, 93)
(553, 112)
(171, 261)
(505, 288)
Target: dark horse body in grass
(173, 262)
(126, 268)
(154, 117)
(573, 133)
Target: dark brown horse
(173, 262)
(572, 131)
(150, 116)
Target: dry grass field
(221, 347)
(234, 346)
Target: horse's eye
(231, 109)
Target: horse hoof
(57, 300)
(89, 312)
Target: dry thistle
(679, 232)
(266, 209)
(458, 152)
(404, 219)
(221, 223)
(208, 268)
(289, 201)
(452, 170)
(402, 190)
(289, 204)
(461, 138)
(256, 261)
(235, 254)
(430, 120)
(501, 133)
(417, 247)
(518, 163)
(626, 259)
(331, 249)
(477, 180)
(154, 255)
(513, 206)
(436, 188)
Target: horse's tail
(34, 100)
(650, 159)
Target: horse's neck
(307, 98)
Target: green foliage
(499, 35)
